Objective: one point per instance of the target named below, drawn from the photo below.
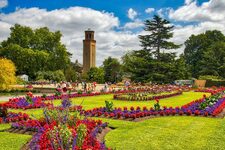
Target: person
(105, 87)
(127, 84)
(85, 87)
(64, 88)
(94, 86)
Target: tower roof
(89, 30)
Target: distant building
(24, 77)
(89, 51)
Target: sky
(117, 23)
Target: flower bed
(215, 105)
(212, 90)
(22, 103)
(143, 96)
(60, 129)
(14, 117)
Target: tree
(39, 41)
(27, 61)
(112, 69)
(195, 47)
(57, 75)
(96, 75)
(138, 65)
(71, 74)
(7, 73)
(160, 32)
(213, 60)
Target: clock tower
(89, 51)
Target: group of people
(77, 86)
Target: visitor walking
(85, 87)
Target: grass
(99, 101)
(4, 127)
(167, 133)
(12, 141)
(177, 132)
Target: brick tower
(89, 51)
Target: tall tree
(112, 69)
(37, 43)
(213, 60)
(159, 30)
(195, 47)
(138, 65)
(27, 61)
(96, 75)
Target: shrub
(109, 106)
(7, 75)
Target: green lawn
(11, 141)
(177, 132)
(167, 133)
(99, 101)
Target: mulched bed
(20, 131)
(221, 115)
(101, 136)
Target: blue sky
(118, 7)
(117, 23)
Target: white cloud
(214, 10)
(72, 22)
(208, 16)
(132, 14)
(149, 10)
(135, 24)
(3, 3)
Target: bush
(51, 75)
(212, 80)
(7, 75)
(210, 83)
(210, 77)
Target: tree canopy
(159, 32)
(35, 50)
(200, 53)
(112, 69)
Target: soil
(101, 136)
(20, 131)
(221, 115)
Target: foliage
(150, 64)
(142, 67)
(204, 53)
(7, 73)
(210, 101)
(212, 62)
(20, 81)
(210, 77)
(35, 50)
(157, 105)
(96, 75)
(160, 33)
(71, 74)
(27, 61)
(57, 75)
(113, 70)
(81, 133)
(109, 106)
